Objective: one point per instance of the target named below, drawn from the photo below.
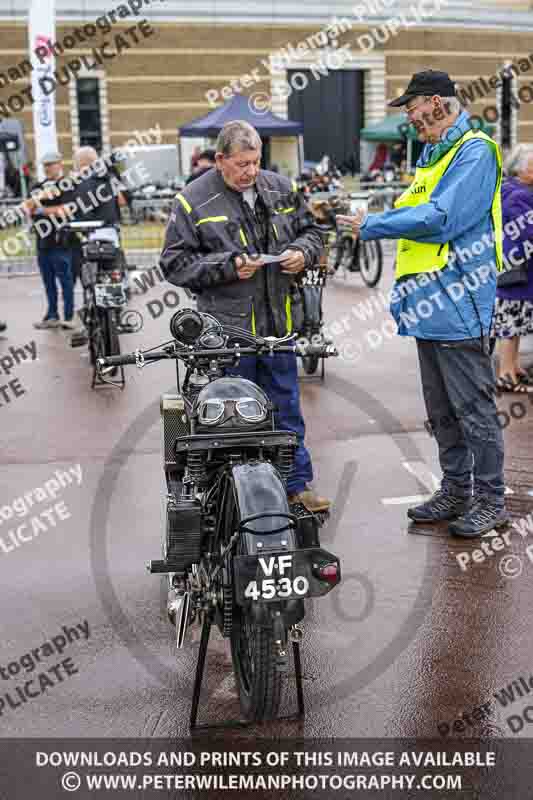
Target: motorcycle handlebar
(159, 355)
(131, 358)
(323, 350)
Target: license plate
(314, 277)
(109, 296)
(275, 576)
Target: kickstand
(204, 641)
(299, 681)
(238, 723)
(98, 381)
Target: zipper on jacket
(253, 227)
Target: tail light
(116, 276)
(328, 572)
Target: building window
(89, 112)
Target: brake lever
(139, 359)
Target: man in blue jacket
(449, 224)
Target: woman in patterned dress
(513, 315)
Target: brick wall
(164, 79)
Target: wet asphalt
(409, 644)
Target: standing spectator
(453, 203)
(96, 177)
(194, 158)
(205, 162)
(218, 223)
(514, 304)
(380, 157)
(54, 258)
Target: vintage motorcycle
(104, 280)
(308, 319)
(235, 553)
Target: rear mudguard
(312, 298)
(259, 489)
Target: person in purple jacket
(513, 314)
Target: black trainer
(480, 518)
(441, 507)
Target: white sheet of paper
(269, 259)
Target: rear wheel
(254, 662)
(252, 647)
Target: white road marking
(422, 473)
(398, 501)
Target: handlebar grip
(116, 361)
(324, 350)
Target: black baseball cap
(429, 82)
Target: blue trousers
(56, 265)
(278, 378)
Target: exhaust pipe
(178, 608)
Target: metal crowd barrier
(142, 235)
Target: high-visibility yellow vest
(412, 256)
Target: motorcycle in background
(104, 279)
(307, 312)
(343, 249)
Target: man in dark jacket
(219, 221)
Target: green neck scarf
(440, 149)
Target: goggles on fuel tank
(216, 410)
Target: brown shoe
(310, 500)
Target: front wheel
(371, 262)
(110, 333)
(109, 336)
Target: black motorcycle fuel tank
(233, 388)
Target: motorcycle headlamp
(216, 411)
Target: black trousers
(458, 382)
